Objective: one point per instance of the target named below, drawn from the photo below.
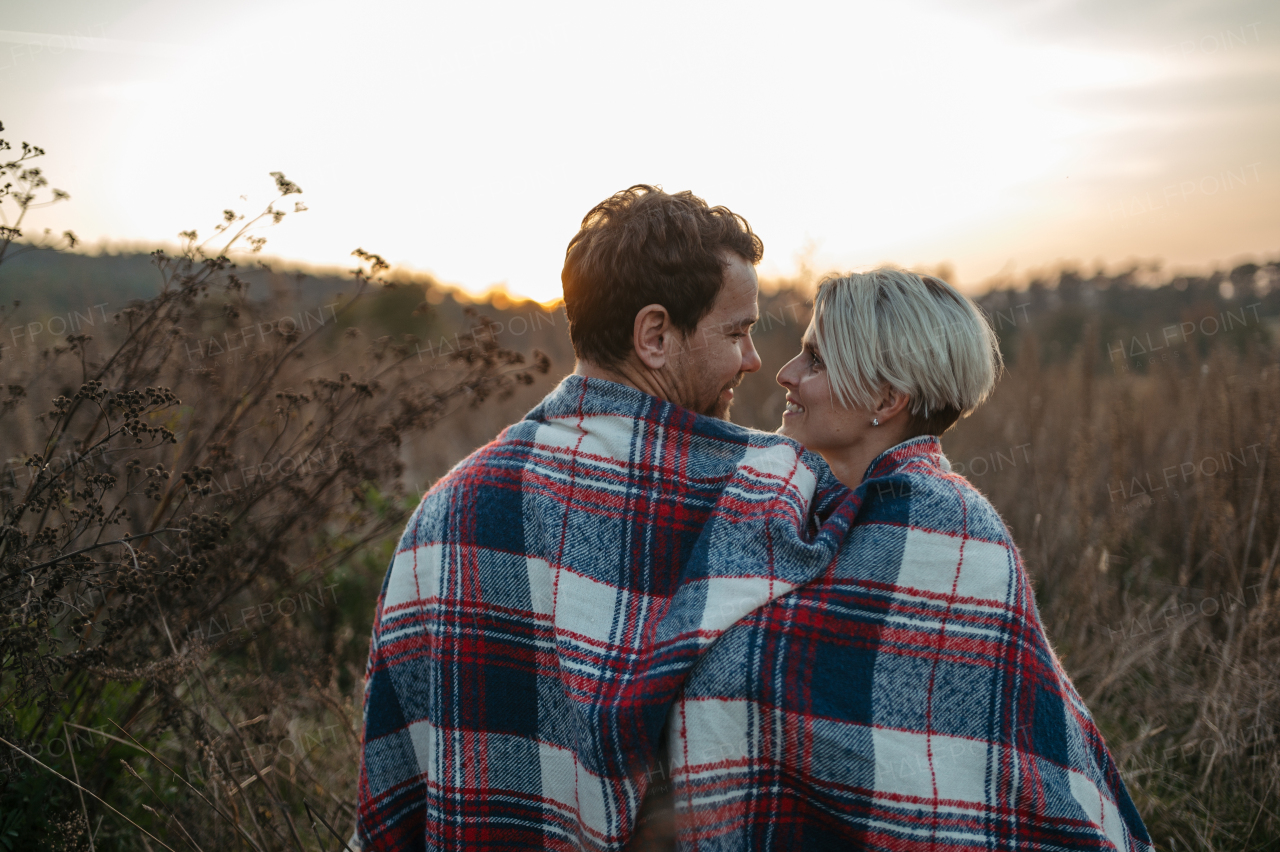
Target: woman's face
(813, 416)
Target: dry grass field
(203, 684)
(1147, 507)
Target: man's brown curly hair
(643, 246)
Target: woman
(932, 712)
(889, 357)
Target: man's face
(712, 360)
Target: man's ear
(651, 334)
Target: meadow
(205, 476)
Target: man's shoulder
(479, 500)
(614, 434)
(577, 397)
(510, 449)
(547, 435)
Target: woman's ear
(891, 402)
(649, 336)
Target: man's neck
(646, 381)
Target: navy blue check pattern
(622, 625)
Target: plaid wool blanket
(905, 699)
(624, 625)
(546, 603)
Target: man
(553, 591)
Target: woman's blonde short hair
(917, 334)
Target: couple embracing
(627, 623)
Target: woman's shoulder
(928, 496)
(926, 529)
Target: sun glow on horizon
(471, 146)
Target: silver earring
(875, 421)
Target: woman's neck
(850, 463)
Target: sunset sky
(468, 139)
